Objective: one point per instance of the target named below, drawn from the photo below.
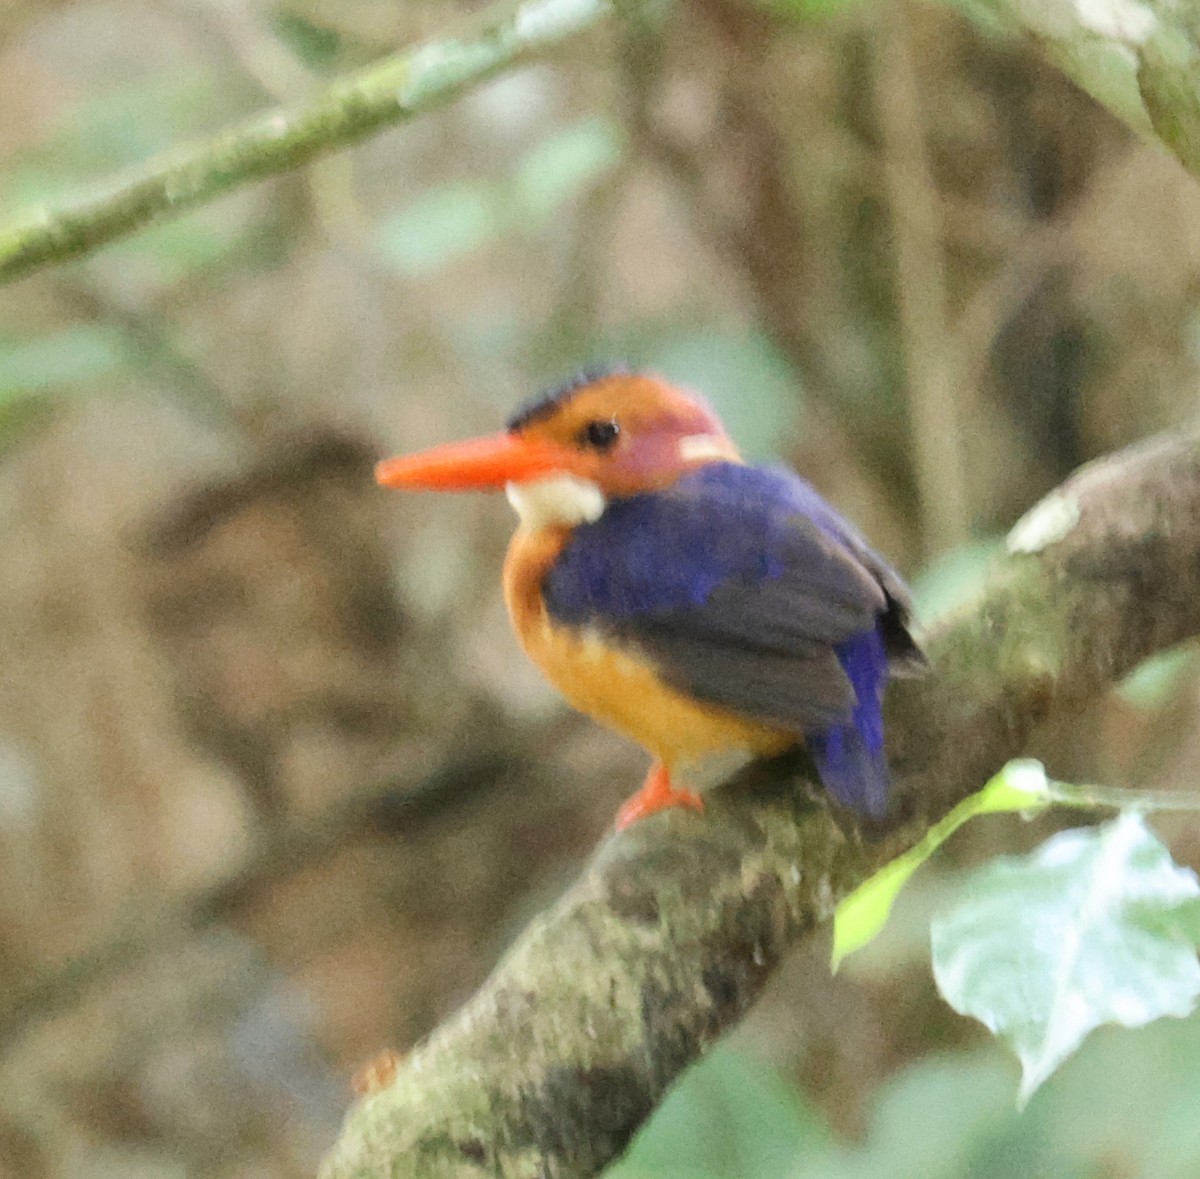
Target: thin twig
(920, 289)
(388, 91)
(1089, 795)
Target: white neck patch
(562, 499)
(706, 446)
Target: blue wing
(746, 589)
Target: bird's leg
(656, 794)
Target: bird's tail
(849, 757)
(854, 773)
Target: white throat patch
(562, 499)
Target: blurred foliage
(34, 371)
(954, 578)
(1154, 683)
(454, 220)
(76, 355)
(729, 1118)
(457, 219)
(318, 46)
(167, 254)
(804, 11)
(561, 166)
(1123, 1106)
(415, 288)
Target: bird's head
(563, 457)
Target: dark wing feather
(790, 691)
(738, 584)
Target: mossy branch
(389, 91)
(675, 926)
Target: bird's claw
(656, 794)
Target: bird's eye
(600, 435)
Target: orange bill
(479, 463)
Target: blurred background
(276, 786)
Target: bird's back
(735, 609)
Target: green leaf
(730, 1117)
(937, 1119)
(164, 254)
(455, 220)
(1097, 926)
(1152, 683)
(955, 577)
(135, 120)
(447, 223)
(68, 357)
(1020, 786)
(563, 165)
(317, 46)
(806, 11)
(116, 127)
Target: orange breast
(614, 686)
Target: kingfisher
(692, 602)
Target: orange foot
(656, 794)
